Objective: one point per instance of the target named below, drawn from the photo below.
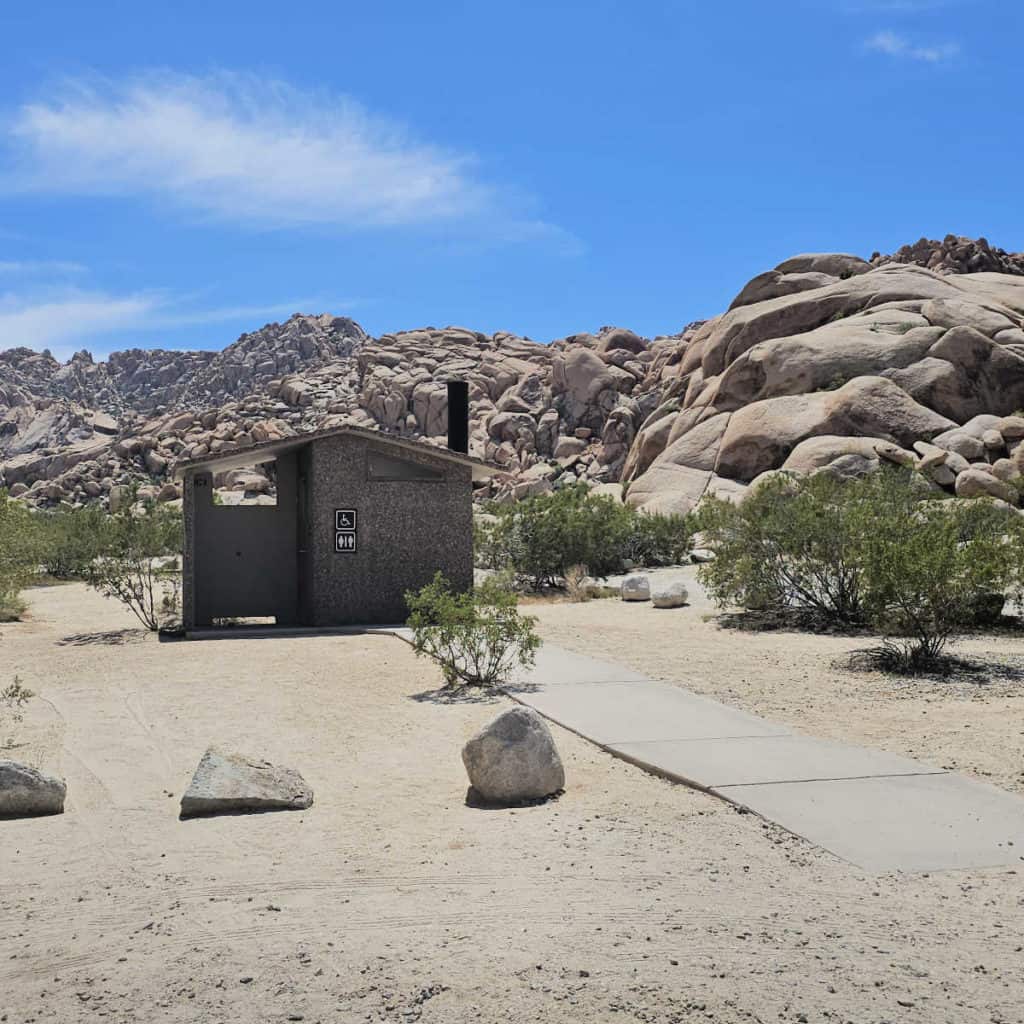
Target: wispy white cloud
(35, 267)
(896, 6)
(894, 45)
(64, 320)
(253, 315)
(241, 149)
(57, 322)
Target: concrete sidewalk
(880, 811)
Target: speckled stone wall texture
(406, 531)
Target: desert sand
(627, 899)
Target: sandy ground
(628, 899)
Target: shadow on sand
(477, 802)
(948, 668)
(110, 638)
(456, 695)
(470, 694)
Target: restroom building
(361, 517)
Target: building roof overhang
(267, 451)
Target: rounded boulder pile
(514, 760)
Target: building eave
(267, 451)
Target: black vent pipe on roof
(458, 416)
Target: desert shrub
(835, 382)
(655, 539)
(540, 538)
(576, 585)
(477, 637)
(134, 567)
(19, 555)
(790, 544)
(866, 551)
(70, 540)
(933, 570)
(13, 699)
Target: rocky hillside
(827, 362)
(955, 255)
(832, 361)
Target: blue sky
(174, 174)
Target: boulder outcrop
(923, 345)
(839, 377)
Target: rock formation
(873, 359)
(955, 255)
(826, 362)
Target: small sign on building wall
(345, 529)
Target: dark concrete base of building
(271, 632)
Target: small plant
(835, 382)
(71, 540)
(576, 585)
(540, 538)
(134, 567)
(905, 327)
(13, 699)
(476, 637)
(19, 555)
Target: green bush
(540, 538)
(71, 539)
(866, 551)
(133, 567)
(19, 555)
(931, 571)
(656, 539)
(476, 637)
(792, 543)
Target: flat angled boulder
(27, 793)
(226, 783)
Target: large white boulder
(636, 588)
(26, 792)
(231, 783)
(669, 594)
(514, 759)
(976, 483)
